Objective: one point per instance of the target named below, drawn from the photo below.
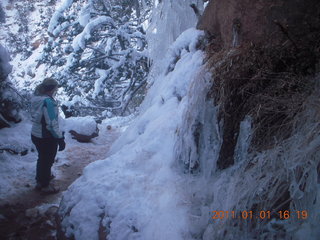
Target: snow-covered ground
(18, 172)
(136, 193)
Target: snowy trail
(31, 215)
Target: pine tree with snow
(10, 105)
(100, 47)
(2, 15)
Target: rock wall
(258, 21)
(260, 53)
(264, 57)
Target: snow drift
(137, 193)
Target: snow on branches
(99, 48)
(80, 40)
(58, 15)
(9, 109)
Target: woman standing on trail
(45, 133)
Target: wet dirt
(32, 214)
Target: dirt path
(31, 215)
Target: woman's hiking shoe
(38, 187)
(50, 189)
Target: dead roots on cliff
(269, 84)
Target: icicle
(236, 32)
(244, 140)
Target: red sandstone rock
(258, 21)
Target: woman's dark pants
(47, 150)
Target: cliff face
(234, 22)
(264, 58)
(261, 54)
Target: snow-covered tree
(2, 14)
(10, 105)
(101, 48)
(22, 24)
